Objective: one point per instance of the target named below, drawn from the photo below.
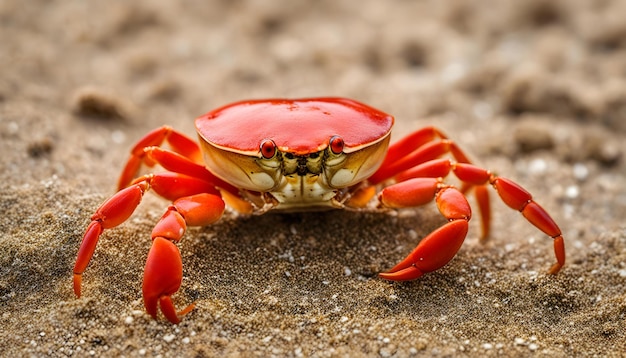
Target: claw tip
(406, 274)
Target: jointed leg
(163, 273)
(511, 193)
(111, 213)
(179, 142)
(197, 204)
(185, 163)
(419, 147)
(118, 208)
(173, 162)
(440, 246)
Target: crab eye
(336, 144)
(268, 148)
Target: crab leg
(419, 147)
(440, 168)
(440, 246)
(517, 198)
(197, 209)
(179, 142)
(111, 213)
(179, 164)
(172, 186)
(512, 194)
(120, 207)
(164, 269)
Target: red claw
(162, 278)
(432, 253)
(164, 267)
(405, 274)
(441, 245)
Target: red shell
(299, 126)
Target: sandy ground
(533, 90)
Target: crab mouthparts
(302, 165)
(301, 168)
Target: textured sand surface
(533, 90)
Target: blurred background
(478, 59)
(455, 63)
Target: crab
(300, 155)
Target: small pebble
(572, 191)
(581, 172)
(538, 166)
(118, 137)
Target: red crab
(297, 155)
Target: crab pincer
(163, 272)
(441, 245)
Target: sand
(534, 90)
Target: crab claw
(162, 278)
(441, 245)
(433, 252)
